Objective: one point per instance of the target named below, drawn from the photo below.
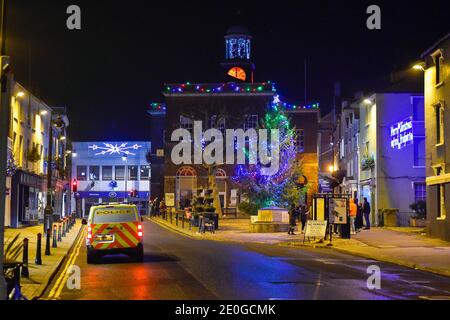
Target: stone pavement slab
(40, 275)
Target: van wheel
(91, 258)
(140, 253)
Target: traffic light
(74, 185)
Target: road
(177, 267)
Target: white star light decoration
(111, 149)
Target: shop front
(27, 199)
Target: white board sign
(316, 228)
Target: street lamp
(58, 123)
(125, 197)
(419, 66)
(20, 94)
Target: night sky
(108, 73)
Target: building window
(299, 140)
(145, 172)
(420, 191)
(107, 173)
(132, 173)
(81, 173)
(218, 123)
(186, 123)
(439, 63)
(419, 151)
(120, 173)
(251, 122)
(439, 113)
(441, 201)
(94, 173)
(418, 108)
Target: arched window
(186, 172)
(220, 173)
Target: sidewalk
(41, 275)
(408, 247)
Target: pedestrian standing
(304, 217)
(366, 211)
(359, 222)
(292, 213)
(353, 213)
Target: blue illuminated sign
(402, 134)
(114, 149)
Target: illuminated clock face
(237, 73)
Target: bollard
(59, 232)
(170, 217)
(54, 245)
(25, 272)
(67, 225)
(182, 222)
(63, 228)
(38, 259)
(176, 217)
(47, 243)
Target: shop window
(107, 173)
(120, 173)
(94, 173)
(145, 172)
(132, 173)
(81, 173)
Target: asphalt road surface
(177, 267)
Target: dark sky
(108, 73)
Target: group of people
(359, 216)
(297, 212)
(157, 207)
(359, 212)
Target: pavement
(409, 247)
(41, 275)
(178, 267)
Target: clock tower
(237, 64)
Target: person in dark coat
(304, 217)
(359, 222)
(366, 211)
(292, 216)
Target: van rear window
(107, 215)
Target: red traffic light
(74, 185)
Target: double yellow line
(62, 280)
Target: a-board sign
(170, 199)
(316, 228)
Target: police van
(113, 229)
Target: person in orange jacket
(353, 213)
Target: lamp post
(4, 131)
(48, 211)
(125, 197)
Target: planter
(417, 222)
